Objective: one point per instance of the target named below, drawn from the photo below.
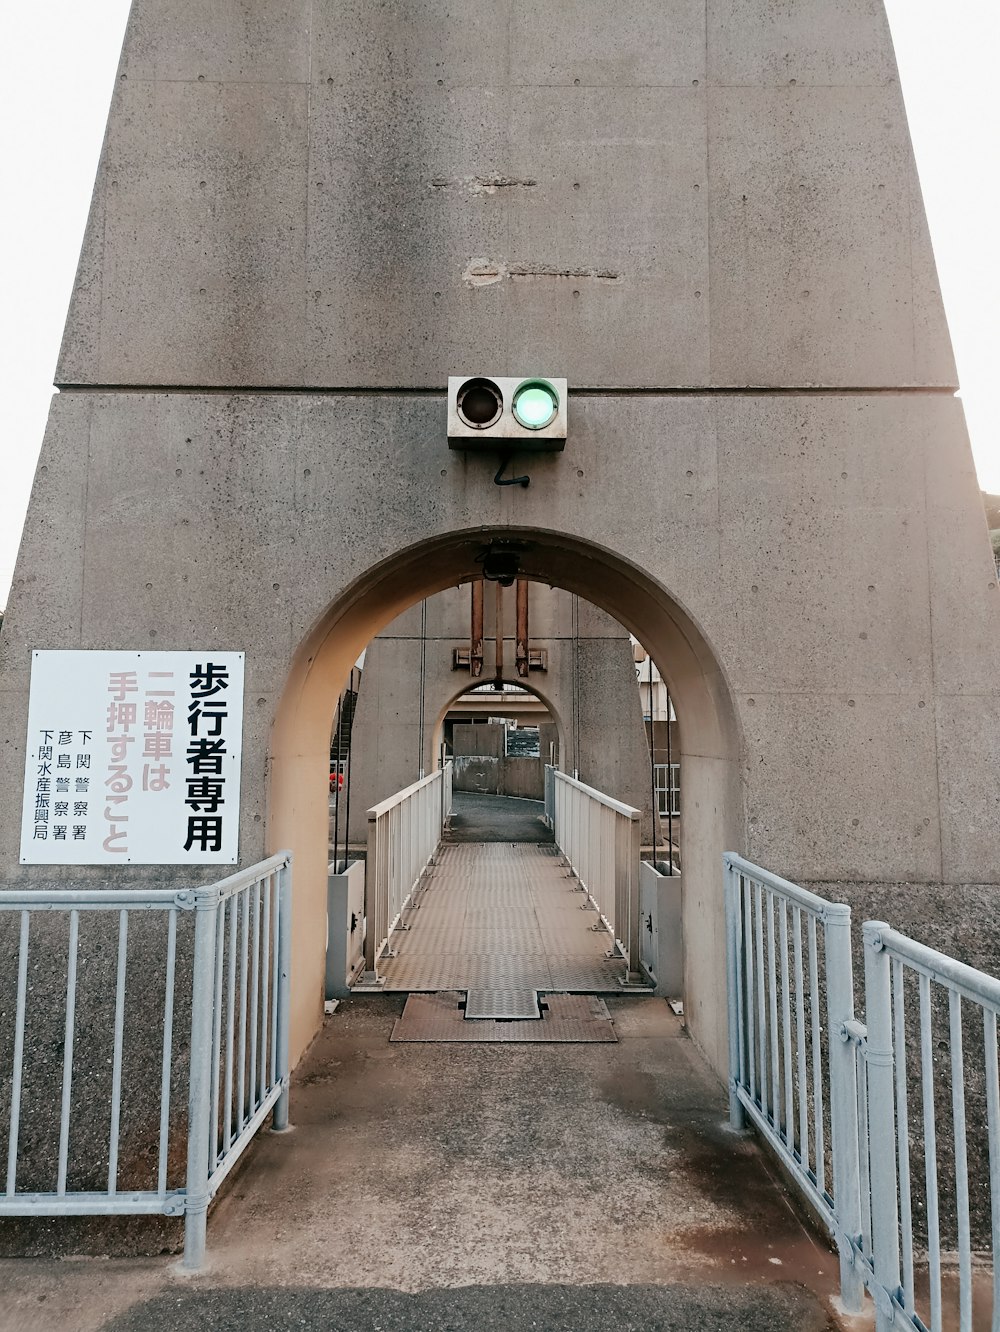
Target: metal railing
(878, 1108)
(787, 948)
(600, 839)
(237, 1070)
(913, 1219)
(403, 834)
(667, 781)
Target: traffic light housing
(522, 412)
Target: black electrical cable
(576, 687)
(652, 751)
(670, 792)
(336, 798)
(501, 480)
(347, 780)
(423, 686)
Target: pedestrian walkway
(489, 818)
(501, 915)
(477, 1188)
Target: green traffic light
(535, 404)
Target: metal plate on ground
(481, 1005)
(566, 1019)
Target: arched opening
(468, 687)
(708, 735)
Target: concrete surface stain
(487, 272)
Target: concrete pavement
(477, 1187)
(490, 818)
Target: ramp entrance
(500, 916)
(500, 940)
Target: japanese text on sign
(110, 776)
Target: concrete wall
(707, 216)
(482, 764)
(524, 778)
(688, 194)
(521, 777)
(588, 686)
(488, 740)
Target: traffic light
(521, 413)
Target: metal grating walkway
(500, 916)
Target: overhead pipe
(521, 643)
(476, 644)
(499, 653)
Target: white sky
(58, 75)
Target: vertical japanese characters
(120, 723)
(62, 785)
(206, 753)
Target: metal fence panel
(600, 838)
(890, 1128)
(792, 1074)
(939, 1102)
(237, 980)
(403, 835)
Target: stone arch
(541, 694)
(709, 736)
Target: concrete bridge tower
(706, 217)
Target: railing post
(372, 871)
(734, 981)
(279, 1121)
(634, 844)
(882, 1122)
(200, 1082)
(844, 1128)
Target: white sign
(133, 758)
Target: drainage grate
(490, 1005)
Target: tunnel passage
(708, 736)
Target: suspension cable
(670, 791)
(421, 771)
(336, 798)
(347, 780)
(652, 750)
(576, 686)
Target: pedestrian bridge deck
(501, 915)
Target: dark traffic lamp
(479, 403)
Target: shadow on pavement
(520, 1308)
